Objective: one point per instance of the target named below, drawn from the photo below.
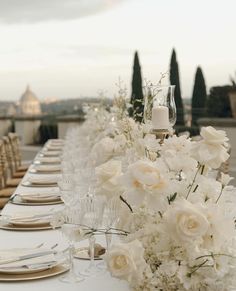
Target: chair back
(15, 144)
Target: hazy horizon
(68, 48)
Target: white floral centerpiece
(179, 219)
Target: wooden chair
(11, 159)
(8, 181)
(5, 192)
(15, 144)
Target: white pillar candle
(160, 117)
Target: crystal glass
(159, 107)
(66, 187)
(111, 217)
(73, 231)
(93, 208)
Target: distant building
(29, 104)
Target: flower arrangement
(179, 219)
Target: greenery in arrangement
(174, 80)
(218, 104)
(199, 97)
(137, 92)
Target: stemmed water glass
(74, 232)
(111, 217)
(93, 208)
(67, 189)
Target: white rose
(186, 222)
(151, 143)
(225, 179)
(103, 150)
(126, 261)
(212, 136)
(211, 155)
(176, 145)
(107, 175)
(145, 175)
(212, 149)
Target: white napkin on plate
(49, 160)
(54, 147)
(51, 153)
(48, 168)
(16, 253)
(40, 197)
(42, 180)
(27, 219)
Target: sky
(75, 48)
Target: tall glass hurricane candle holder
(160, 109)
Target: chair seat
(22, 168)
(19, 174)
(3, 202)
(7, 192)
(13, 182)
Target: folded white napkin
(39, 197)
(15, 254)
(51, 153)
(42, 180)
(49, 160)
(48, 168)
(54, 147)
(30, 217)
(29, 214)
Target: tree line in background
(215, 104)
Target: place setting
(27, 220)
(47, 160)
(45, 169)
(23, 264)
(40, 181)
(36, 199)
(53, 147)
(46, 153)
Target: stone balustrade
(27, 127)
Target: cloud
(32, 11)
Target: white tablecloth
(13, 239)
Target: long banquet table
(15, 239)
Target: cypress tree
(137, 91)
(174, 80)
(199, 97)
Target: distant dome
(29, 103)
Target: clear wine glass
(74, 232)
(93, 208)
(66, 186)
(111, 217)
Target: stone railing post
(27, 127)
